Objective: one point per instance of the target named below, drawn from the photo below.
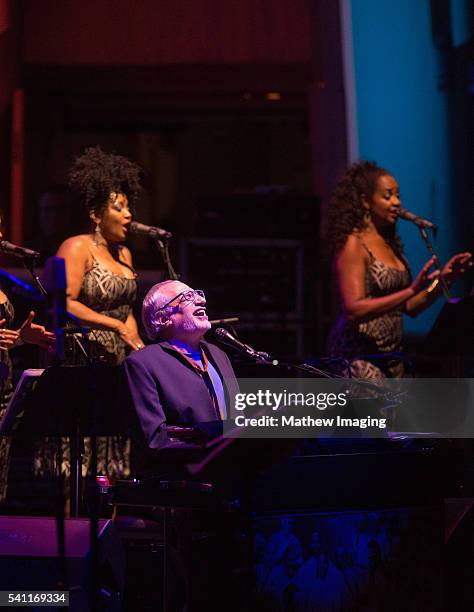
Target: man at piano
(179, 387)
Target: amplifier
(29, 559)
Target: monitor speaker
(29, 559)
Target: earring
(367, 216)
(98, 238)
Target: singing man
(180, 379)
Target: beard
(194, 325)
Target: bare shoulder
(81, 241)
(76, 246)
(352, 249)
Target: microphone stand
(429, 246)
(28, 263)
(163, 247)
(62, 322)
(72, 324)
(363, 382)
(262, 358)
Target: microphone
(409, 216)
(149, 230)
(226, 338)
(17, 251)
(229, 321)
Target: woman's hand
(36, 334)
(128, 336)
(457, 265)
(425, 276)
(8, 337)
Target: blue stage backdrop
(402, 115)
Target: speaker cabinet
(29, 559)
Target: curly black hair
(346, 212)
(94, 175)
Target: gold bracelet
(433, 285)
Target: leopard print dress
(112, 295)
(365, 345)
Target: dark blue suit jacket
(162, 388)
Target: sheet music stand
(15, 409)
(57, 402)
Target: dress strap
(97, 263)
(371, 255)
(93, 262)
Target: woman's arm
(36, 334)
(423, 300)
(131, 325)
(29, 332)
(9, 338)
(351, 263)
(75, 252)
(457, 265)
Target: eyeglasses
(185, 296)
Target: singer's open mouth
(200, 312)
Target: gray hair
(152, 303)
